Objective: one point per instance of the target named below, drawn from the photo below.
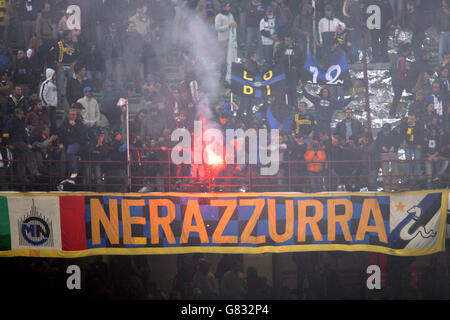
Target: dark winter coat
(16, 130)
(21, 72)
(75, 89)
(324, 108)
(13, 102)
(357, 129)
(69, 134)
(385, 140)
(290, 58)
(109, 106)
(112, 46)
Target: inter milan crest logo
(414, 226)
(417, 222)
(35, 229)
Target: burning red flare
(213, 159)
(214, 163)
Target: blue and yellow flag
(269, 83)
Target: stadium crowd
(120, 52)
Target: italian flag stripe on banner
(73, 224)
(5, 232)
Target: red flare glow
(213, 159)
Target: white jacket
(327, 25)
(48, 92)
(91, 111)
(268, 25)
(222, 25)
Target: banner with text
(76, 225)
(334, 74)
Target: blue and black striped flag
(271, 82)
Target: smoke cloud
(198, 39)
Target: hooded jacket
(48, 92)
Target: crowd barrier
(293, 176)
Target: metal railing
(293, 176)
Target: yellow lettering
(127, 221)
(230, 208)
(246, 233)
(110, 225)
(342, 219)
(193, 211)
(303, 220)
(268, 75)
(371, 206)
(164, 222)
(246, 77)
(289, 226)
(248, 90)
